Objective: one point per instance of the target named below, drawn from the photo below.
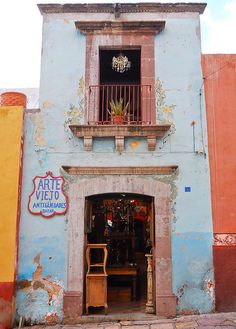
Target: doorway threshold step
(117, 317)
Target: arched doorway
(165, 300)
(124, 222)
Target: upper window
(126, 87)
(119, 87)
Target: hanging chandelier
(121, 63)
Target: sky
(21, 30)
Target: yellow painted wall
(11, 121)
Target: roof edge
(123, 7)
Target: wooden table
(126, 271)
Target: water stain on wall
(5, 313)
(135, 144)
(39, 127)
(47, 104)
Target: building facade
(140, 185)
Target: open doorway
(120, 85)
(124, 222)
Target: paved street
(209, 321)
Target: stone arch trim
(73, 299)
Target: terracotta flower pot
(118, 119)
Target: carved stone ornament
(151, 132)
(120, 26)
(150, 304)
(120, 8)
(158, 170)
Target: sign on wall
(48, 198)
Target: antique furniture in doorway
(96, 277)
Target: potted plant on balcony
(118, 111)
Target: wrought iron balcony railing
(136, 99)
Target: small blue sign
(187, 189)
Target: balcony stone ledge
(119, 132)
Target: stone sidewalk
(205, 321)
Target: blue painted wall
(49, 144)
(178, 66)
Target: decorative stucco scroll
(164, 111)
(75, 113)
(228, 239)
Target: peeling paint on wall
(41, 154)
(171, 181)
(39, 127)
(194, 274)
(51, 318)
(209, 284)
(40, 298)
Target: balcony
(136, 99)
(138, 119)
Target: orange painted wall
(220, 95)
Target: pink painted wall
(220, 90)
(220, 94)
